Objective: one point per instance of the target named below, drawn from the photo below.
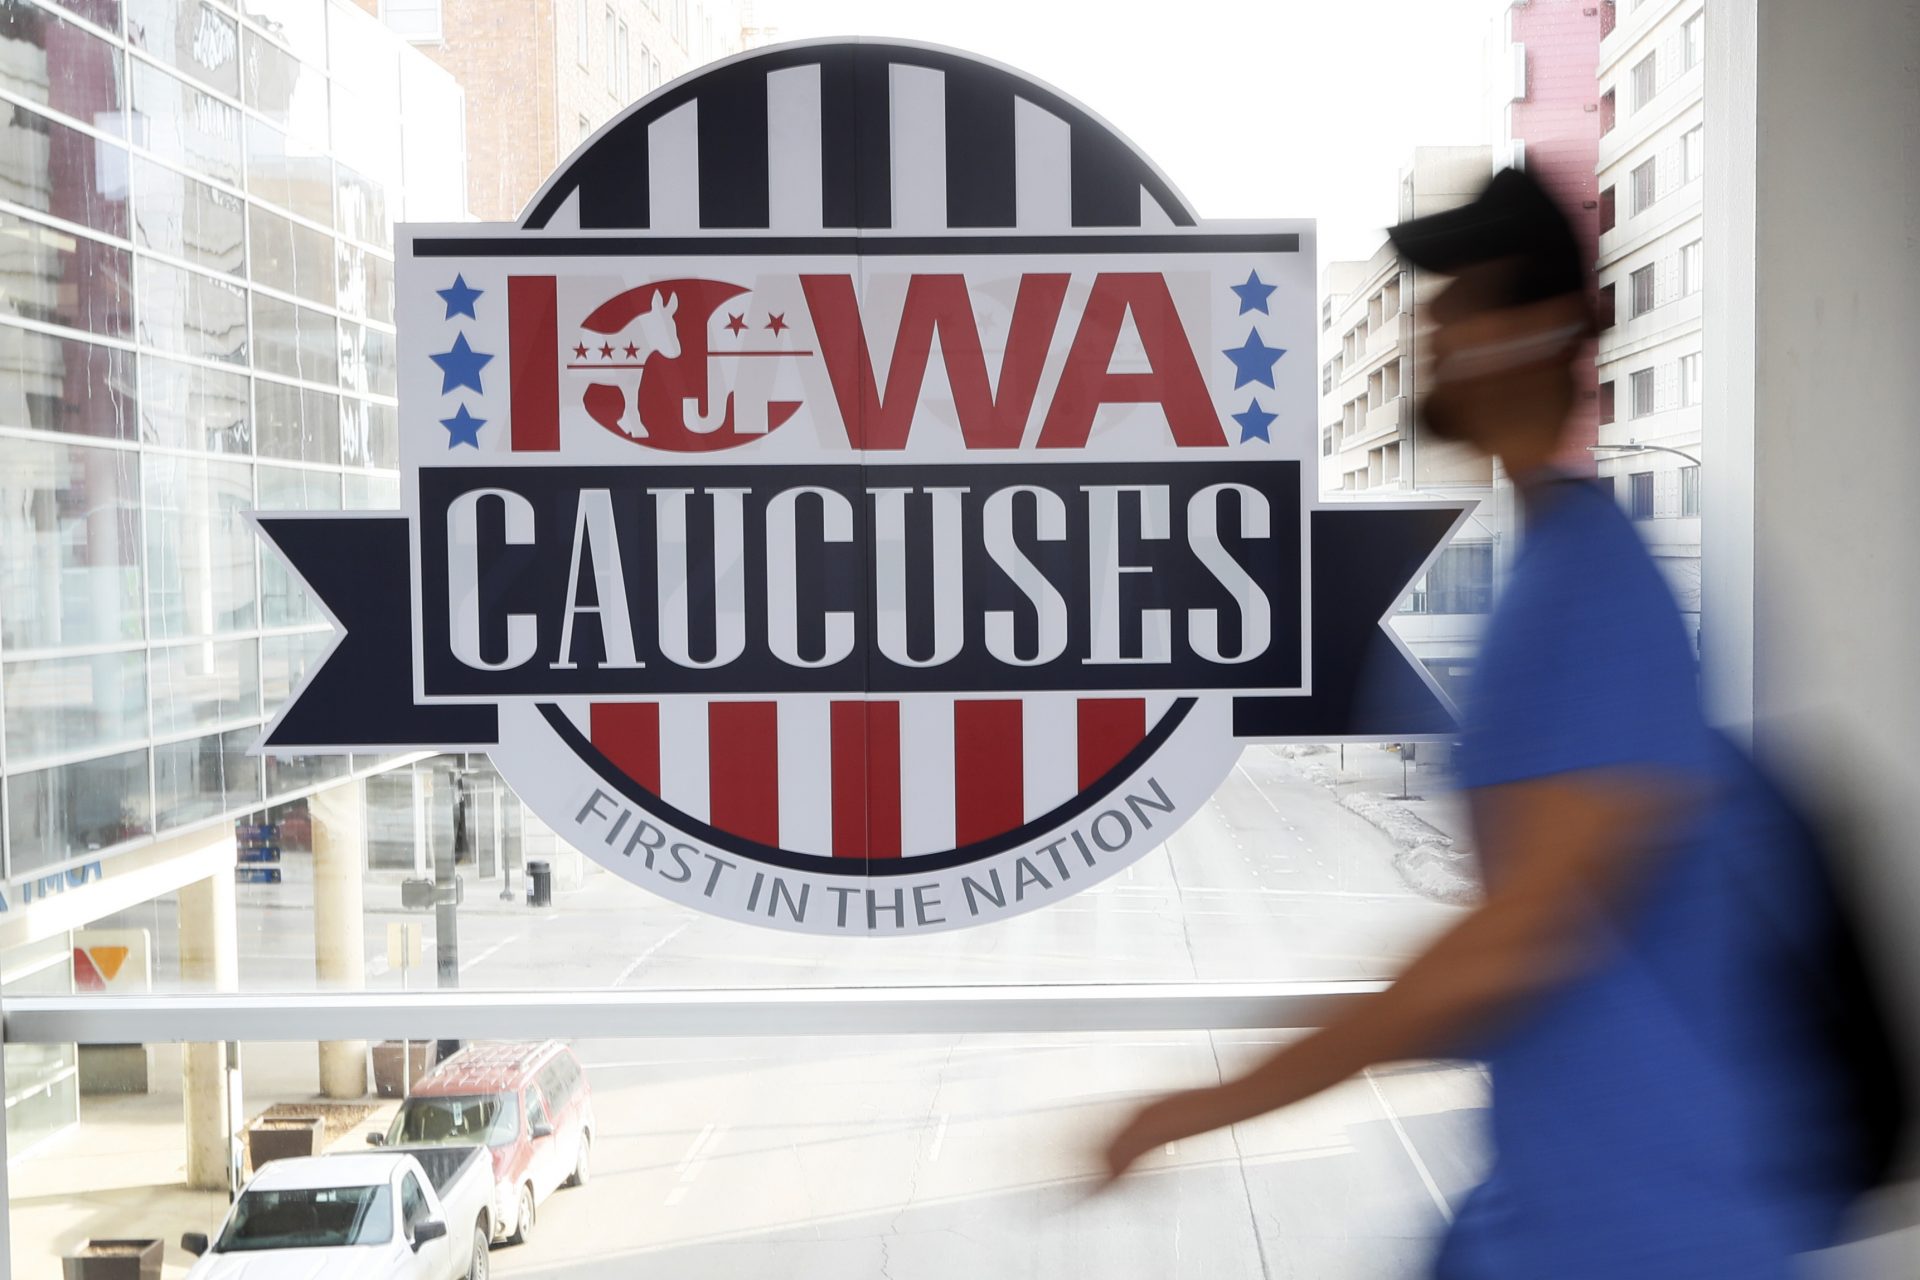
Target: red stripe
(743, 769)
(628, 733)
(1109, 729)
(847, 785)
(988, 788)
(883, 779)
(533, 356)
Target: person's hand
(1164, 1120)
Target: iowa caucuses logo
(859, 496)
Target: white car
(379, 1216)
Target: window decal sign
(859, 497)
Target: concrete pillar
(209, 961)
(339, 923)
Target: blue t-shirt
(1660, 1116)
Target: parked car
(399, 1214)
(528, 1104)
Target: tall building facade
(542, 76)
(197, 205)
(1650, 167)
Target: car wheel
(482, 1240)
(582, 1169)
(523, 1221)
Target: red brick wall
(501, 52)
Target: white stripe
(683, 756)
(1049, 751)
(804, 736)
(793, 148)
(1042, 168)
(1152, 216)
(919, 147)
(926, 774)
(673, 170)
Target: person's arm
(1567, 848)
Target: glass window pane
(372, 493)
(65, 706)
(195, 37)
(56, 169)
(283, 601)
(298, 24)
(199, 546)
(56, 277)
(189, 406)
(366, 283)
(185, 124)
(363, 209)
(69, 544)
(196, 686)
(191, 314)
(367, 359)
(188, 219)
(57, 814)
(64, 384)
(59, 64)
(291, 256)
(370, 433)
(286, 90)
(287, 774)
(295, 423)
(294, 341)
(204, 777)
(292, 175)
(284, 663)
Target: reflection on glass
(191, 314)
(57, 814)
(48, 60)
(287, 774)
(366, 359)
(301, 25)
(284, 663)
(69, 544)
(291, 257)
(285, 90)
(283, 601)
(189, 406)
(204, 777)
(190, 35)
(177, 215)
(372, 493)
(187, 125)
(296, 423)
(56, 277)
(197, 686)
(363, 208)
(391, 815)
(366, 283)
(294, 341)
(293, 176)
(200, 548)
(64, 384)
(54, 168)
(66, 706)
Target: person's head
(1508, 326)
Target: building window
(1640, 387)
(1460, 581)
(1689, 491)
(1640, 291)
(1606, 210)
(625, 90)
(1326, 315)
(580, 49)
(1606, 402)
(1643, 177)
(1609, 16)
(1693, 266)
(613, 63)
(1641, 495)
(1690, 41)
(1690, 380)
(1607, 112)
(646, 70)
(1326, 378)
(1692, 158)
(1609, 309)
(586, 128)
(1326, 443)
(1645, 79)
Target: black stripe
(872, 137)
(732, 129)
(980, 173)
(556, 246)
(839, 158)
(1106, 179)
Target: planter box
(281, 1137)
(114, 1260)
(391, 1072)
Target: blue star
(1253, 294)
(461, 366)
(1254, 423)
(460, 295)
(1252, 360)
(463, 428)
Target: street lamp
(1634, 446)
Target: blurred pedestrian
(1660, 1106)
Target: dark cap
(1514, 219)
